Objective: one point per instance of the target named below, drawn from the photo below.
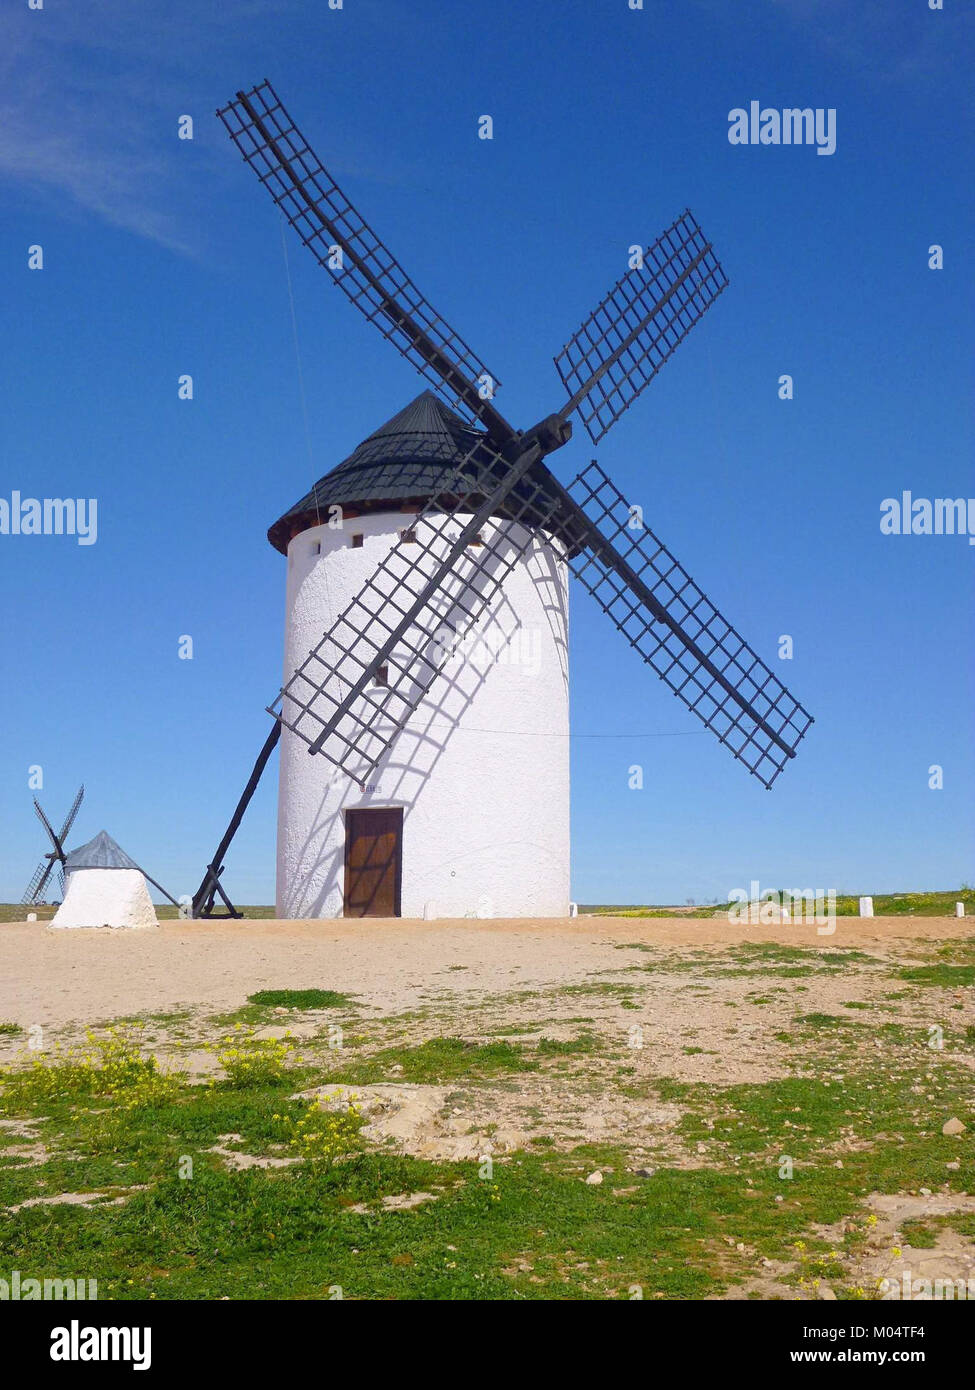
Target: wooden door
(373, 862)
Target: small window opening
(316, 547)
(382, 676)
(357, 540)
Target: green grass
(264, 1006)
(436, 1061)
(919, 1234)
(941, 975)
(636, 910)
(534, 1230)
(551, 1047)
(765, 959)
(934, 904)
(805, 1118)
(923, 1234)
(940, 904)
(290, 1233)
(300, 998)
(611, 991)
(961, 950)
(17, 912)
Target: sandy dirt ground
(56, 977)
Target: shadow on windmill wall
(500, 646)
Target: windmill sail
(70, 817)
(677, 630)
(38, 811)
(629, 336)
(360, 264)
(42, 873)
(38, 882)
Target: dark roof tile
(413, 456)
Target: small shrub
(113, 1068)
(322, 1136)
(252, 1061)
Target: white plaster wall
(482, 769)
(105, 898)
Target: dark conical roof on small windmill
(409, 459)
(100, 853)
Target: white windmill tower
(442, 785)
(466, 812)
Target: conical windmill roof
(410, 458)
(425, 431)
(100, 853)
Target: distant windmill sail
(35, 889)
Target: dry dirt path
(59, 977)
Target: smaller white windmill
(104, 888)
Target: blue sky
(164, 257)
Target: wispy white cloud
(85, 94)
(94, 164)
